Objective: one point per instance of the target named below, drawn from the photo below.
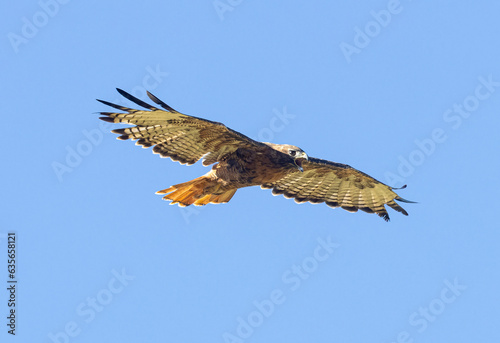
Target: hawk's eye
(292, 152)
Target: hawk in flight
(241, 162)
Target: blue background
(368, 93)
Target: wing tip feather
(136, 100)
(398, 198)
(156, 100)
(384, 216)
(107, 119)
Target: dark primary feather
(161, 103)
(137, 101)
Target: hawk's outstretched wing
(183, 138)
(338, 185)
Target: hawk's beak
(299, 158)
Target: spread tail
(199, 191)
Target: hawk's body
(243, 162)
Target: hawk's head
(297, 154)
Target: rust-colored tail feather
(195, 192)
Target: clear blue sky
(408, 92)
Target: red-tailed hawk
(242, 162)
